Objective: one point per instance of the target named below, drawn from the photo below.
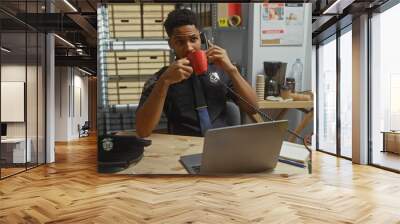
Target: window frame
(334, 37)
(379, 10)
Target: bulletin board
(12, 101)
(282, 24)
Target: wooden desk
(267, 104)
(13, 150)
(162, 157)
(304, 106)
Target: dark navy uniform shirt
(179, 106)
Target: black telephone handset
(204, 40)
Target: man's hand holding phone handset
(218, 56)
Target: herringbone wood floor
(71, 191)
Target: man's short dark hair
(180, 17)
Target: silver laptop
(246, 148)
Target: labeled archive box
(127, 72)
(135, 62)
(139, 21)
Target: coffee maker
(275, 72)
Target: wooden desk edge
(266, 104)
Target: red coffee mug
(198, 61)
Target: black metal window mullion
(325, 41)
(73, 91)
(338, 98)
(141, 20)
(37, 91)
(317, 96)
(26, 86)
(45, 92)
(69, 92)
(381, 9)
(162, 19)
(338, 74)
(369, 88)
(0, 94)
(113, 20)
(116, 59)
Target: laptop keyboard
(196, 169)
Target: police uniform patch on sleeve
(107, 144)
(214, 77)
(150, 82)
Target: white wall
(385, 67)
(360, 90)
(314, 89)
(61, 103)
(258, 54)
(70, 84)
(33, 127)
(11, 73)
(289, 54)
(16, 73)
(79, 117)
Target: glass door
(346, 93)
(385, 89)
(326, 102)
(22, 76)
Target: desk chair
(233, 114)
(84, 129)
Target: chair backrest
(86, 125)
(233, 114)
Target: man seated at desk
(170, 90)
